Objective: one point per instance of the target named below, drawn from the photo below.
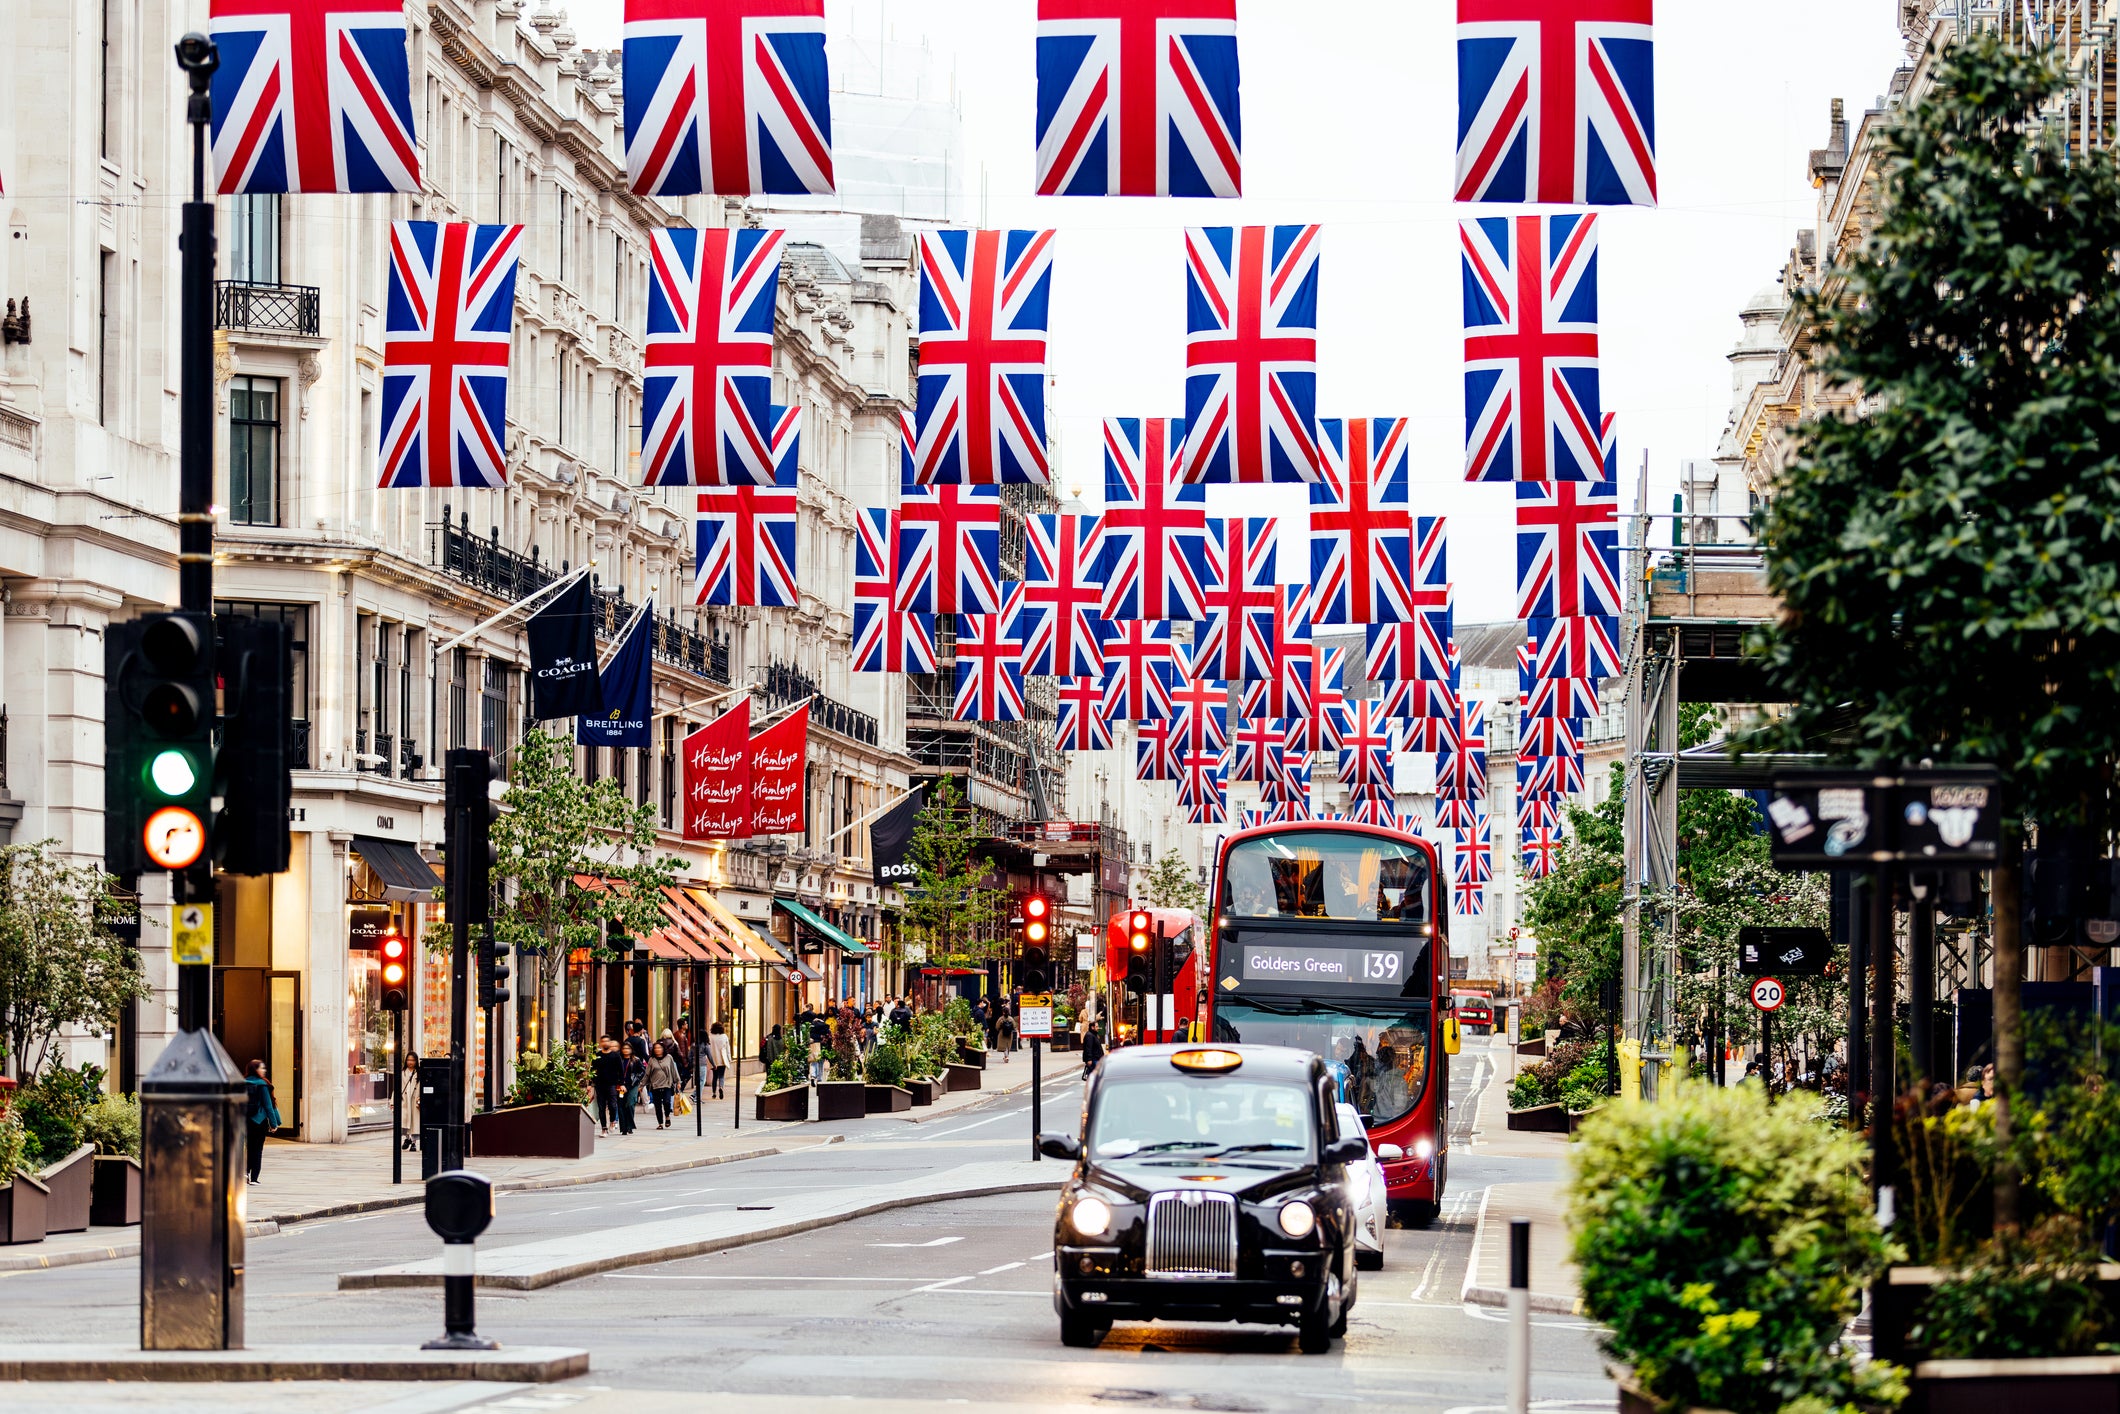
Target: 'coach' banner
(563, 679)
(777, 774)
(718, 777)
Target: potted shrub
(22, 1198)
(1724, 1244)
(885, 1076)
(1536, 1102)
(545, 1112)
(785, 1095)
(842, 1095)
(112, 1125)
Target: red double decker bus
(1334, 937)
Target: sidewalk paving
(1553, 1283)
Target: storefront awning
(406, 876)
(746, 938)
(836, 936)
(805, 971)
(684, 936)
(707, 942)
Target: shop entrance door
(258, 1016)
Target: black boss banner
(890, 838)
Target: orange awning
(683, 936)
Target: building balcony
(786, 685)
(293, 310)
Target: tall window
(106, 265)
(566, 232)
(254, 451)
(254, 244)
(493, 708)
(458, 664)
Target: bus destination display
(1357, 967)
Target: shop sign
(365, 928)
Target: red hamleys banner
(777, 774)
(718, 777)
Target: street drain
(754, 1207)
(1125, 1396)
(1226, 1404)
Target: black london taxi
(1209, 1185)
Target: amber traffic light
(1139, 935)
(394, 965)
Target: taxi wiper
(1254, 1148)
(1173, 1144)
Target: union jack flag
(1061, 595)
(981, 405)
(1251, 353)
(1567, 550)
(1556, 102)
(1475, 849)
(1562, 697)
(1540, 847)
(1365, 748)
(1461, 761)
(1537, 810)
(1199, 713)
(1454, 814)
(1291, 786)
(312, 95)
(1287, 692)
(1415, 651)
(1531, 375)
(1583, 646)
(990, 664)
(1134, 659)
(1609, 440)
(1414, 702)
(708, 382)
(1361, 524)
(1258, 749)
(886, 639)
(1079, 725)
(1236, 642)
(1467, 899)
(1548, 736)
(1380, 811)
(1203, 789)
(746, 534)
(949, 549)
(1155, 526)
(1156, 754)
(727, 96)
(1138, 98)
(445, 354)
(1324, 724)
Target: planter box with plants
(68, 1185)
(885, 1072)
(23, 1203)
(1572, 1079)
(114, 1199)
(1541, 1119)
(543, 1115)
(788, 1102)
(888, 1099)
(965, 1077)
(972, 1054)
(924, 1088)
(842, 1099)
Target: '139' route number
(1380, 966)
(1767, 994)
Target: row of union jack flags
(1134, 98)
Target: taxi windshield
(1201, 1116)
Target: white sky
(1349, 115)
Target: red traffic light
(393, 948)
(1036, 907)
(393, 945)
(1138, 929)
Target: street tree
(59, 964)
(1173, 883)
(555, 831)
(951, 905)
(1948, 559)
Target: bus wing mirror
(1450, 1035)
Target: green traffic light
(173, 773)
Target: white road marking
(724, 1203)
(938, 1242)
(1004, 1267)
(974, 1125)
(937, 1285)
(705, 1276)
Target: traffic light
(492, 972)
(255, 785)
(1034, 972)
(1037, 920)
(1140, 931)
(467, 838)
(395, 988)
(159, 715)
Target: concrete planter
(888, 1099)
(22, 1209)
(925, 1091)
(1576, 1117)
(1536, 1046)
(842, 1099)
(1898, 1302)
(2057, 1386)
(68, 1185)
(791, 1102)
(114, 1193)
(1540, 1119)
(534, 1132)
(965, 1077)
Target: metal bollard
(1519, 1315)
(459, 1208)
(191, 1198)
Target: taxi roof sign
(1213, 1060)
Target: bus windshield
(1342, 876)
(1377, 1054)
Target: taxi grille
(1192, 1239)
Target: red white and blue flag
(1548, 736)
(445, 354)
(745, 552)
(1609, 440)
(1531, 352)
(1251, 353)
(1467, 899)
(1475, 849)
(1155, 526)
(1136, 658)
(1582, 646)
(1156, 755)
(727, 96)
(1063, 633)
(1286, 693)
(1541, 847)
(1561, 697)
(1365, 748)
(707, 389)
(1567, 550)
(1323, 723)
(1079, 724)
(1199, 713)
(989, 659)
(1556, 102)
(886, 639)
(1138, 98)
(312, 96)
(980, 411)
(1235, 643)
(1291, 787)
(949, 549)
(1256, 746)
(1361, 524)
(1203, 788)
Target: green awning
(838, 937)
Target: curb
(1010, 1092)
(527, 1364)
(130, 1247)
(573, 1271)
(1540, 1302)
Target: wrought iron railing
(298, 745)
(785, 684)
(267, 309)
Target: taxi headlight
(1092, 1217)
(1298, 1218)
(1424, 1148)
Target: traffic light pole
(397, 1097)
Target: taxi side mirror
(1060, 1146)
(1351, 1150)
(1450, 1036)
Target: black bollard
(459, 1208)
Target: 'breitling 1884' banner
(777, 758)
(718, 777)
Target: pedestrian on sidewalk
(636, 1065)
(816, 1057)
(1005, 1028)
(608, 1072)
(677, 1054)
(409, 1101)
(902, 1014)
(1092, 1052)
(261, 1116)
(661, 1077)
(718, 1056)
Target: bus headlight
(1298, 1218)
(1424, 1148)
(1092, 1217)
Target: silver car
(1365, 1185)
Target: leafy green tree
(59, 966)
(1744, 889)
(555, 829)
(1949, 560)
(950, 907)
(1173, 883)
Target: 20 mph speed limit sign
(1767, 993)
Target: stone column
(324, 990)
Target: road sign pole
(1037, 1100)
(1766, 1052)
